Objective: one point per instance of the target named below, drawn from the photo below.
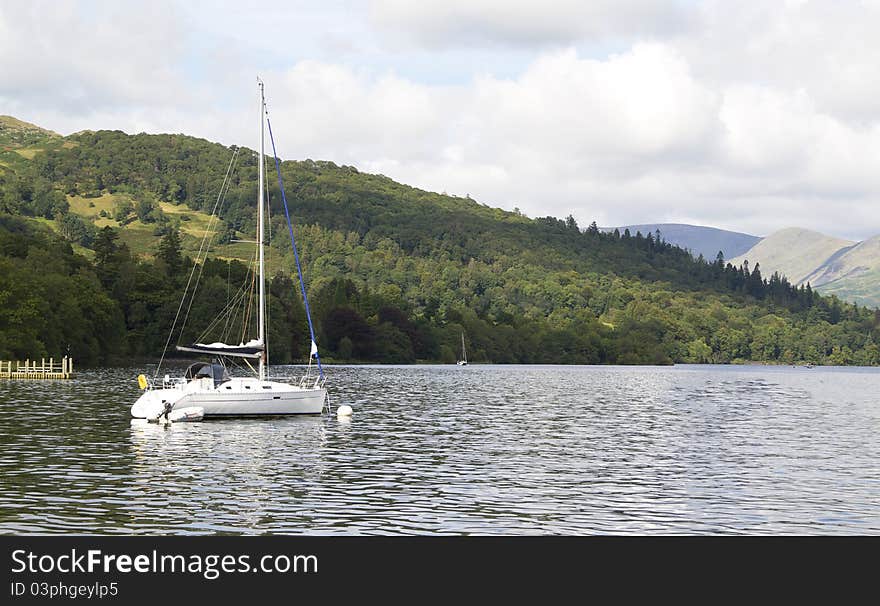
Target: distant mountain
(850, 270)
(853, 274)
(847, 262)
(797, 253)
(700, 240)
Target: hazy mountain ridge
(699, 239)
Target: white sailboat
(463, 361)
(209, 386)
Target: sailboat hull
(236, 398)
(307, 402)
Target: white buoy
(344, 411)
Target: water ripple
(450, 450)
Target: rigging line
(209, 229)
(208, 236)
(268, 301)
(189, 280)
(223, 316)
(226, 312)
(243, 302)
(250, 304)
(228, 286)
(233, 306)
(199, 261)
(302, 283)
(238, 316)
(228, 309)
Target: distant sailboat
(207, 388)
(463, 361)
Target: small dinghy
(169, 416)
(166, 414)
(190, 414)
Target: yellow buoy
(142, 381)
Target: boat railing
(169, 382)
(310, 382)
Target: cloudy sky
(747, 115)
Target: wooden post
(70, 366)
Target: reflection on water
(448, 449)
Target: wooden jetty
(29, 369)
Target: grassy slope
(15, 133)
(21, 141)
(793, 252)
(140, 237)
(854, 275)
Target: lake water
(451, 450)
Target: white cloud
(442, 23)
(752, 117)
(90, 56)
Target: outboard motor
(165, 412)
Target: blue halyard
(302, 283)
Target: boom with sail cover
(251, 349)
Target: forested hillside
(395, 274)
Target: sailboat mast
(260, 229)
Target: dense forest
(394, 273)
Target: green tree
(170, 252)
(122, 210)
